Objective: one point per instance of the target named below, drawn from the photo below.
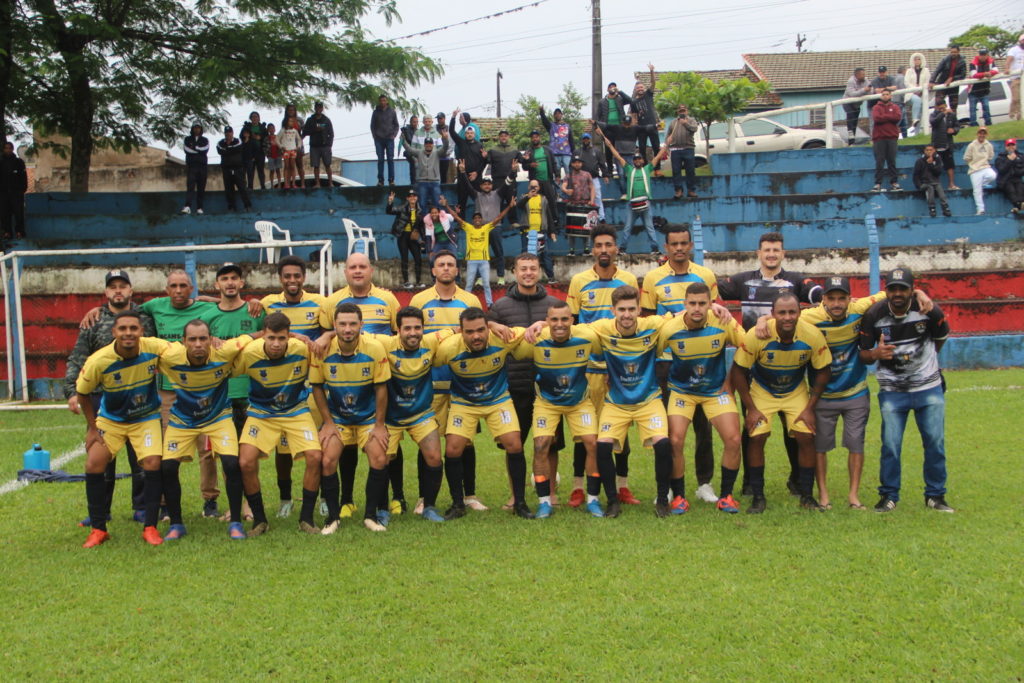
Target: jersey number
(506, 417)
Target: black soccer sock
(421, 474)
(622, 460)
(678, 486)
(329, 491)
(96, 499)
(453, 471)
(233, 485)
(593, 485)
(376, 491)
(347, 469)
(579, 460)
(283, 465)
(396, 475)
(109, 481)
(663, 468)
(172, 488)
(755, 477)
(606, 466)
(806, 481)
(431, 484)
(515, 463)
(308, 505)
(793, 453)
(284, 488)
(259, 513)
(728, 480)
(469, 470)
(152, 492)
(543, 486)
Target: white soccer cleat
(331, 528)
(706, 493)
(473, 503)
(374, 525)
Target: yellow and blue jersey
(277, 388)
(442, 314)
(201, 391)
(561, 377)
(665, 290)
(379, 308)
(304, 314)
(129, 385)
(590, 299)
(849, 374)
(411, 389)
(779, 368)
(349, 379)
(631, 378)
(479, 378)
(698, 356)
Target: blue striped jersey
(129, 385)
(348, 379)
(698, 356)
(379, 308)
(849, 374)
(631, 378)
(411, 389)
(277, 387)
(779, 368)
(478, 377)
(305, 314)
(561, 367)
(201, 391)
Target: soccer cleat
(757, 505)
(151, 536)
(793, 487)
(938, 503)
(473, 503)
(877, 187)
(544, 510)
(398, 506)
(679, 505)
(259, 529)
(614, 509)
(418, 509)
(626, 496)
(728, 504)
(594, 508)
(285, 510)
(384, 517)
(454, 512)
(374, 525)
(88, 521)
(520, 509)
(323, 507)
(308, 528)
(186, 210)
(661, 509)
(809, 503)
(347, 510)
(210, 508)
(95, 538)
(432, 514)
(236, 532)
(577, 498)
(139, 516)
(885, 504)
(175, 532)
(706, 493)
(330, 528)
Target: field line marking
(987, 387)
(26, 429)
(58, 462)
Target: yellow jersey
(349, 379)
(379, 308)
(779, 368)
(304, 314)
(129, 385)
(277, 387)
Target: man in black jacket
(320, 131)
(1010, 175)
(384, 129)
(593, 163)
(196, 148)
(944, 127)
(928, 178)
(408, 231)
(504, 160)
(232, 169)
(951, 68)
(470, 151)
(13, 186)
(611, 110)
(642, 108)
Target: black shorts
(948, 159)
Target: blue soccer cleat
(175, 532)
(139, 516)
(88, 521)
(432, 514)
(236, 532)
(544, 511)
(383, 517)
(594, 508)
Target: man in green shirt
(638, 193)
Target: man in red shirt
(886, 116)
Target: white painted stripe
(55, 464)
(987, 387)
(36, 429)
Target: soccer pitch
(790, 594)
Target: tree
(527, 117)
(706, 100)
(119, 72)
(997, 40)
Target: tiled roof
(831, 70)
(767, 101)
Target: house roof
(769, 100)
(788, 71)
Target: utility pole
(596, 92)
(800, 40)
(498, 81)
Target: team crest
(681, 346)
(254, 431)
(117, 377)
(297, 370)
(311, 316)
(698, 370)
(183, 377)
(580, 353)
(380, 312)
(542, 422)
(263, 374)
(496, 361)
(409, 390)
(752, 293)
(547, 354)
(281, 399)
(151, 369)
(631, 368)
(462, 365)
(803, 357)
(246, 324)
(563, 381)
(457, 421)
(203, 402)
(771, 355)
(349, 400)
(218, 374)
(334, 370)
(172, 446)
(591, 295)
(680, 403)
(920, 327)
(716, 343)
(481, 387)
(668, 289)
(647, 341)
(430, 313)
(366, 372)
(398, 364)
(614, 341)
(139, 399)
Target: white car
(998, 103)
(336, 181)
(763, 135)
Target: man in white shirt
(1014, 67)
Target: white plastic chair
(266, 230)
(355, 234)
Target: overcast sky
(540, 48)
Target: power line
(470, 21)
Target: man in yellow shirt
(478, 255)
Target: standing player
(442, 305)
(278, 416)
(129, 411)
(696, 381)
(199, 376)
(769, 375)
(350, 388)
(590, 299)
(664, 291)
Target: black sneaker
(937, 503)
(931, 211)
(946, 212)
(454, 512)
(757, 505)
(210, 508)
(809, 503)
(614, 509)
(885, 504)
(793, 486)
(521, 509)
(661, 509)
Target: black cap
(503, 132)
(116, 275)
(230, 268)
(229, 129)
(576, 157)
(440, 115)
(837, 282)
(534, 132)
(882, 68)
(613, 83)
(900, 276)
(318, 104)
(982, 50)
(411, 193)
(558, 110)
(428, 141)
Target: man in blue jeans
(384, 129)
(679, 139)
(637, 184)
(906, 343)
(428, 170)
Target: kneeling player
(129, 412)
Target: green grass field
(836, 595)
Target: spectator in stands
(539, 163)
(257, 136)
(231, 169)
(384, 129)
(196, 148)
(465, 123)
(578, 186)
(300, 153)
(611, 111)
(978, 156)
(593, 163)
(944, 127)
(12, 192)
(886, 116)
(272, 150)
(916, 75)
(928, 177)
(951, 68)
(538, 227)
(407, 229)
(488, 201)
(248, 157)
(901, 83)
(478, 256)
(879, 84)
(504, 160)
(637, 179)
(441, 126)
(1010, 175)
(682, 147)
(428, 171)
(559, 139)
(624, 140)
(646, 117)
(470, 153)
(440, 229)
(320, 131)
(290, 140)
(856, 86)
(984, 67)
(411, 140)
(1015, 67)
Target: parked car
(998, 103)
(763, 135)
(336, 181)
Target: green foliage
(998, 40)
(526, 118)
